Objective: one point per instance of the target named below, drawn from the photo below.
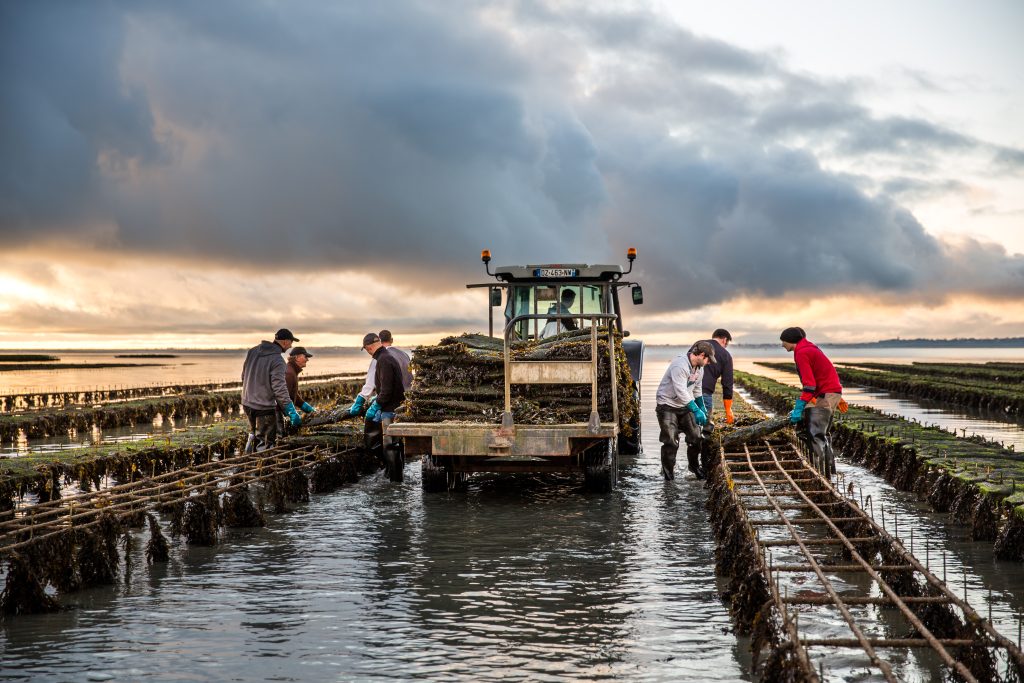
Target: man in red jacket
(821, 383)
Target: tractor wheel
(630, 445)
(435, 477)
(601, 467)
(394, 462)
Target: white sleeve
(679, 378)
(371, 380)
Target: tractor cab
(561, 290)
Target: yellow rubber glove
(729, 418)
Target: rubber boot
(373, 441)
(668, 462)
(818, 422)
(693, 459)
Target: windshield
(556, 299)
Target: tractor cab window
(556, 300)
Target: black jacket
(388, 378)
(722, 367)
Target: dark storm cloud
(61, 107)
(400, 138)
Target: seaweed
(128, 545)
(97, 557)
(1010, 541)
(241, 511)
(156, 549)
(23, 591)
(202, 518)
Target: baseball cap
(370, 338)
(285, 333)
(301, 351)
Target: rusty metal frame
(762, 472)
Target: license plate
(555, 272)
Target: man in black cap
(380, 415)
(297, 360)
(370, 385)
(265, 391)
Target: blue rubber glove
(373, 411)
(356, 407)
(293, 414)
(306, 408)
(698, 413)
(798, 411)
(384, 415)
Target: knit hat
(792, 335)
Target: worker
(564, 307)
(380, 415)
(265, 391)
(370, 385)
(400, 355)
(820, 384)
(721, 367)
(679, 410)
(297, 360)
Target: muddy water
(518, 578)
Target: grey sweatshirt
(263, 384)
(681, 383)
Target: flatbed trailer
(452, 450)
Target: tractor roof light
(631, 255)
(485, 256)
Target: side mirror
(495, 296)
(638, 295)
(625, 333)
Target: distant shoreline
(990, 343)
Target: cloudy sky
(200, 174)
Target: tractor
(540, 301)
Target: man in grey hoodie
(265, 392)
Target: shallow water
(517, 578)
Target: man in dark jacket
(720, 367)
(265, 391)
(297, 360)
(390, 394)
(820, 384)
